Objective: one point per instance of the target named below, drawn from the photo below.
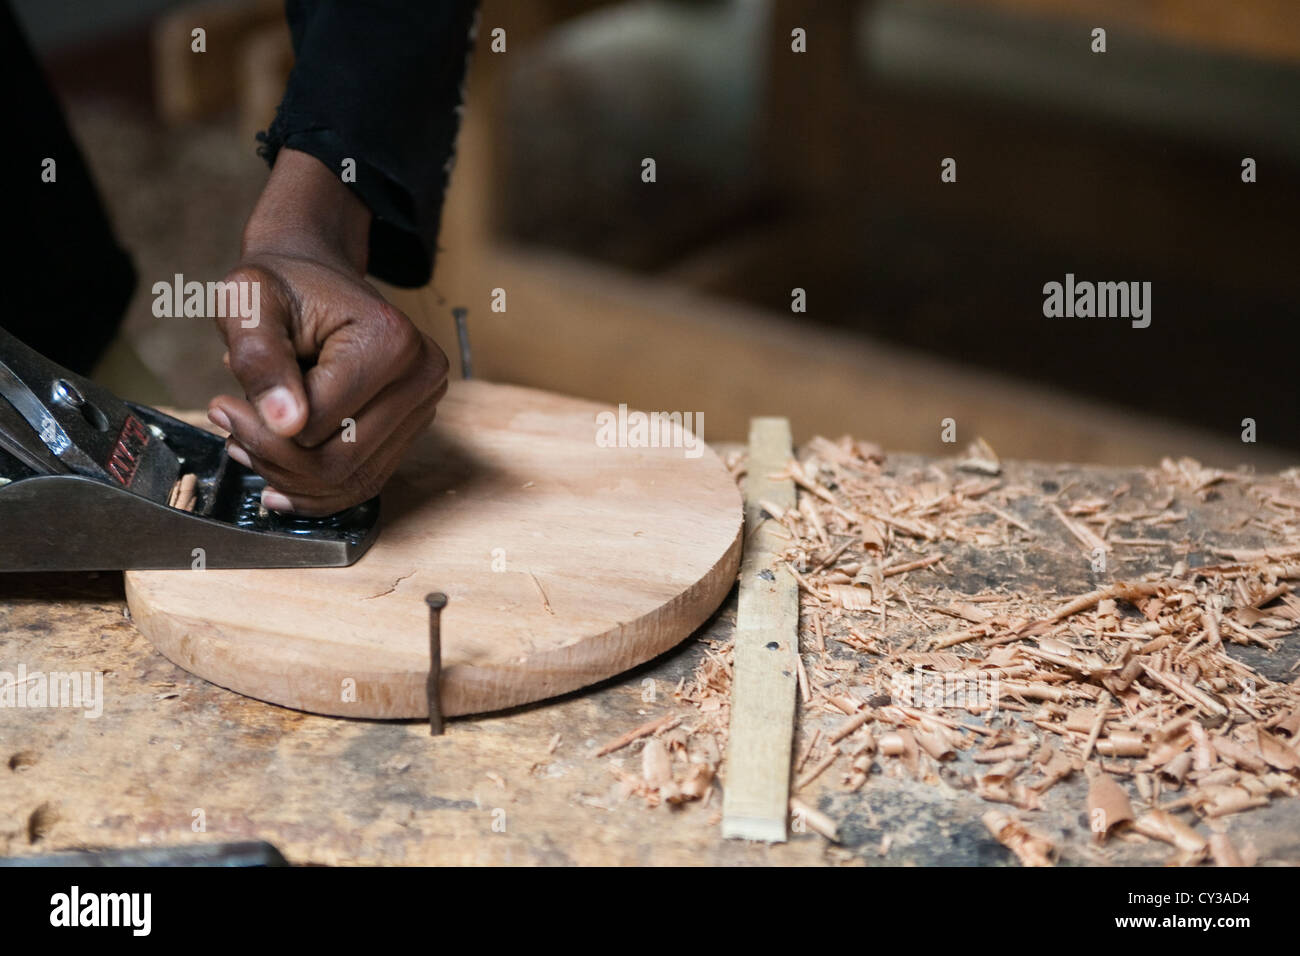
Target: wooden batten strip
(761, 739)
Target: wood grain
(565, 563)
(328, 791)
(767, 636)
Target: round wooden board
(565, 563)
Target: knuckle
(431, 371)
(428, 379)
(250, 355)
(248, 272)
(236, 290)
(391, 316)
(397, 333)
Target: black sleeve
(69, 281)
(380, 82)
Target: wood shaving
(815, 819)
(981, 458)
(645, 730)
(1032, 848)
(1131, 680)
(184, 493)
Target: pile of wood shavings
(1129, 683)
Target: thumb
(263, 359)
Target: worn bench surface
(327, 790)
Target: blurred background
(779, 170)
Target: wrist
(306, 211)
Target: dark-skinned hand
(326, 352)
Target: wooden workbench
(327, 790)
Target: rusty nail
(436, 601)
(461, 315)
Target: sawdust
(1129, 683)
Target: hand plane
(90, 482)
